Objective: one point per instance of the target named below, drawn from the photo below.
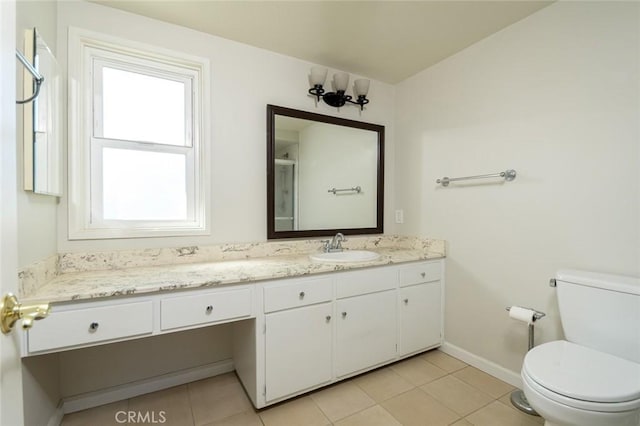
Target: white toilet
(593, 377)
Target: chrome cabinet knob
(406, 301)
(328, 318)
(301, 295)
(93, 327)
(209, 309)
(344, 315)
(423, 274)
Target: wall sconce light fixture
(340, 83)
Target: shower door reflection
(285, 200)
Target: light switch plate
(399, 216)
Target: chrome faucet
(335, 244)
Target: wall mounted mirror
(324, 175)
(42, 120)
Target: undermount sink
(346, 256)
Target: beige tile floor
(430, 389)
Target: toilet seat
(602, 407)
(583, 378)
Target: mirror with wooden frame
(324, 175)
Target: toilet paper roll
(522, 314)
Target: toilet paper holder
(518, 399)
(536, 315)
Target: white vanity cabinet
(298, 350)
(365, 331)
(289, 335)
(420, 309)
(420, 317)
(314, 332)
(298, 335)
(366, 322)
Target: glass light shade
(341, 81)
(318, 76)
(361, 87)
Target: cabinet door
(420, 317)
(297, 350)
(365, 332)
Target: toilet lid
(583, 373)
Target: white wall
(244, 80)
(36, 221)
(556, 97)
(337, 157)
(37, 224)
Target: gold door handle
(11, 311)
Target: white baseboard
(141, 387)
(483, 364)
(56, 417)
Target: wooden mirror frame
(272, 111)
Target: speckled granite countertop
(278, 260)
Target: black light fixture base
(335, 99)
(317, 91)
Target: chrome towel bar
(37, 78)
(508, 175)
(356, 189)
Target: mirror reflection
(325, 175)
(42, 120)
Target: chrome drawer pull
(328, 318)
(344, 315)
(423, 274)
(301, 295)
(406, 301)
(93, 327)
(209, 309)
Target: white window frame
(88, 53)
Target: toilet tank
(601, 311)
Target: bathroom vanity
(297, 324)
(318, 330)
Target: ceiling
(383, 40)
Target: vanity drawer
(366, 281)
(419, 273)
(185, 311)
(90, 326)
(298, 293)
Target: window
(136, 130)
